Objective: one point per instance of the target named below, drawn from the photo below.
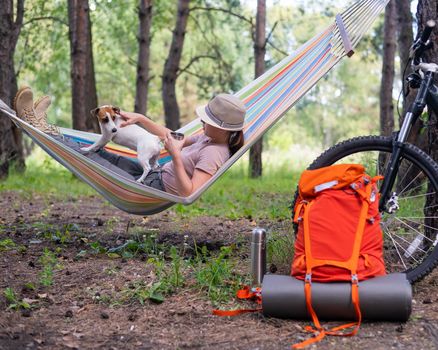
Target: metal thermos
(258, 255)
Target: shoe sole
(56, 129)
(35, 105)
(18, 94)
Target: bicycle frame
(427, 95)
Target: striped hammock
(267, 99)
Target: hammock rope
(267, 99)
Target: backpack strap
(245, 293)
(351, 264)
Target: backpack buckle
(308, 278)
(354, 279)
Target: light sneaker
(23, 105)
(40, 107)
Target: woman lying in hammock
(195, 159)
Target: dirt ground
(69, 315)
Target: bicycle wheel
(411, 231)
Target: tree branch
(213, 47)
(193, 60)
(277, 49)
(243, 18)
(196, 75)
(55, 19)
(20, 13)
(270, 34)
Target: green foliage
(49, 264)
(14, 302)
(167, 278)
(216, 275)
(45, 176)
(7, 244)
(142, 242)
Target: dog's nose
(114, 130)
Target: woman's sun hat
(224, 111)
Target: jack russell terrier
(132, 136)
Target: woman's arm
(151, 126)
(184, 184)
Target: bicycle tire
(378, 146)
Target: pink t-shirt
(202, 154)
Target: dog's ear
(95, 111)
(116, 110)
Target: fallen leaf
(30, 301)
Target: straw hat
(224, 111)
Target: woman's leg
(128, 165)
(107, 161)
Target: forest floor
(81, 298)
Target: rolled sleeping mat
(386, 298)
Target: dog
(134, 137)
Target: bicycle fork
(388, 201)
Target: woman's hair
(235, 142)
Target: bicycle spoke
(427, 226)
(406, 241)
(410, 255)
(412, 188)
(419, 195)
(406, 172)
(423, 209)
(395, 246)
(416, 231)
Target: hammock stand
(267, 99)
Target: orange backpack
(339, 236)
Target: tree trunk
(405, 34)
(428, 9)
(387, 82)
(84, 97)
(11, 146)
(144, 42)
(170, 73)
(255, 154)
(405, 39)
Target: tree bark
(405, 38)
(84, 96)
(405, 34)
(426, 10)
(144, 42)
(11, 146)
(255, 154)
(387, 82)
(171, 67)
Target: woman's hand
(172, 145)
(130, 118)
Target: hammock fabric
(267, 99)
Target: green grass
(44, 176)
(49, 263)
(232, 196)
(13, 300)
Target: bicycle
(408, 202)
